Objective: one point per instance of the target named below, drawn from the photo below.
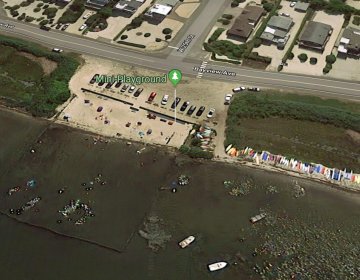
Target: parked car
(165, 99)
(284, 15)
(152, 96)
(118, 84)
(131, 89)
(227, 99)
(101, 83)
(58, 25)
(254, 89)
(137, 93)
(175, 103)
(109, 85)
(124, 88)
(211, 113)
(65, 26)
(238, 89)
(292, 4)
(184, 106)
(200, 111)
(57, 50)
(82, 27)
(191, 110)
(152, 116)
(93, 79)
(88, 15)
(47, 28)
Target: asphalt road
(163, 63)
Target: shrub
(291, 56)
(158, 40)
(29, 19)
(268, 7)
(280, 67)
(257, 42)
(40, 19)
(280, 46)
(226, 22)
(303, 57)
(50, 12)
(184, 149)
(45, 7)
(196, 142)
(148, 35)
(328, 65)
(123, 37)
(23, 15)
(14, 13)
(227, 16)
(356, 20)
(13, 8)
(39, 5)
(30, 1)
(216, 35)
(313, 60)
(166, 31)
(330, 58)
(240, 1)
(24, 4)
(37, 10)
(234, 4)
(326, 70)
(44, 22)
(167, 37)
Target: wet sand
(203, 208)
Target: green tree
(166, 31)
(234, 4)
(303, 57)
(105, 12)
(313, 60)
(330, 58)
(257, 42)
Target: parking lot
(272, 51)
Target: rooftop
(351, 37)
(167, 2)
(302, 6)
(280, 22)
(160, 9)
(316, 32)
(122, 4)
(243, 25)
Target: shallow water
(203, 208)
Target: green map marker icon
(175, 76)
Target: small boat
(258, 217)
(230, 151)
(13, 190)
(217, 266)
(186, 242)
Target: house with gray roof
(301, 7)
(96, 4)
(128, 6)
(277, 29)
(315, 35)
(246, 22)
(350, 42)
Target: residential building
(315, 35)
(129, 6)
(277, 29)
(161, 9)
(246, 22)
(350, 42)
(301, 7)
(96, 4)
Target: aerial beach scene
(158, 171)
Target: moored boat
(217, 266)
(258, 217)
(187, 241)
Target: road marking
(172, 47)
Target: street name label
(212, 71)
(6, 25)
(186, 43)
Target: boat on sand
(258, 217)
(186, 242)
(217, 266)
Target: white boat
(228, 148)
(186, 242)
(217, 266)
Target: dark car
(118, 84)
(176, 102)
(43, 27)
(191, 110)
(58, 25)
(64, 27)
(183, 107)
(152, 96)
(101, 83)
(124, 88)
(137, 93)
(109, 85)
(92, 81)
(200, 111)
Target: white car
(82, 27)
(227, 99)
(87, 15)
(238, 89)
(253, 89)
(284, 15)
(131, 89)
(165, 99)
(292, 4)
(211, 113)
(57, 50)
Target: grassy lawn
(19, 67)
(301, 139)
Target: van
(82, 27)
